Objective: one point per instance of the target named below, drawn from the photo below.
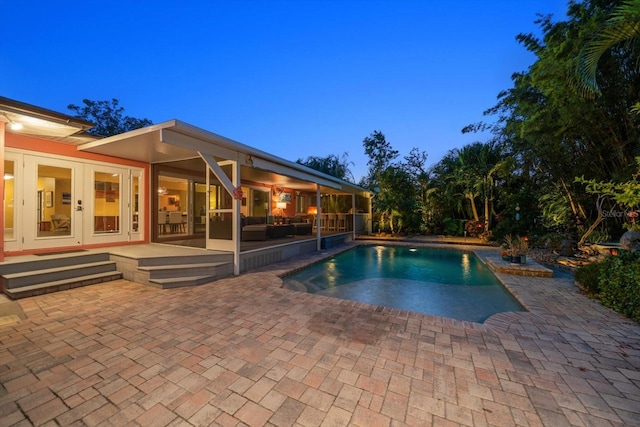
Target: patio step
(61, 285)
(176, 270)
(53, 273)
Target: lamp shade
(312, 210)
(281, 205)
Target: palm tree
(622, 27)
(469, 172)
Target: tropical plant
(331, 165)
(622, 27)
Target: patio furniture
(283, 230)
(60, 222)
(302, 228)
(341, 222)
(331, 222)
(256, 232)
(162, 222)
(176, 224)
(301, 225)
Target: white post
(318, 219)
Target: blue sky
(294, 78)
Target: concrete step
(48, 275)
(180, 282)
(53, 260)
(60, 285)
(179, 270)
(184, 259)
(188, 274)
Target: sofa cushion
(253, 220)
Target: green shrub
(620, 284)
(452, 227)
(587, 276)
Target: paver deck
(245, 351)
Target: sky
(293, 78)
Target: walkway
(244, 351)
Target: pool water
(434, 281)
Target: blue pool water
(435, 281)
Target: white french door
(58, 202)
(51, 192)
(106, 204)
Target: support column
(318, 219)
(2, 133)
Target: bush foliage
(587, 277)
(619, 283)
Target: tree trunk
(595, 224)
(474, 210)
(486, 214)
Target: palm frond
(623, 26)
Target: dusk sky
(294, 78)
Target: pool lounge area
(244, 350)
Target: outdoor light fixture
(613, 251)
(13, 125)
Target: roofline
(183, 127)
(18, 107)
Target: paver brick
(245, 351)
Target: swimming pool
(435, 281)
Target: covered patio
(209, 191)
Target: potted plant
(523, 249)
(517, 249)
(512, 247)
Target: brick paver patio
(244, 351)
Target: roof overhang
(174, 140)
(43, 123)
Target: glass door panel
(8, 205)
(135, 212)
(173, 202)
(220, 216)
(54, 201)
(200, 207)
(51, 211)
(107, 202)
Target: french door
(58, 202)
(51, 192)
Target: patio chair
(162, 222)
(331, 222)
(341, 222)
(176, 223)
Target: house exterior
(172, 182)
